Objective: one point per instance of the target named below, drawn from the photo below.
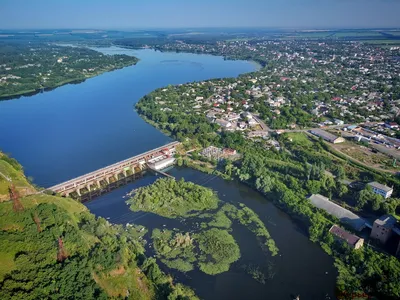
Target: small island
(171, 199)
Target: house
(258, 133)
(382, 228)
(247, 115)
(242, 125)
(352, 127)
(327, 136)
(344, 215)
(233, 117)
(352, 240)
(381, 189)
(391, 125)
(338, 122)
(211, 116)
(223, 123)
(252, 122)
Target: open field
(348, 34)
(367, 156)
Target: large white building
(381, 189)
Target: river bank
(78, 80)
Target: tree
(313, 186)
(340, 172)
(363, 197)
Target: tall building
(383, 228)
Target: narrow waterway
(301, 267)
(78, 128)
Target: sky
(131, 14)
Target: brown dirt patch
(119, 271)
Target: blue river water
(78, 128)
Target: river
(301, 267)
(79, 128)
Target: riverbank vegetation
(53, 247)
(29, 68)
(301, 166)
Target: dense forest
(54, 248)
(304, 166)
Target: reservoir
(78, 128)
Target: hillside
(55, 248)
(10, 168)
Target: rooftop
(380, 186)
(387, 221)
(341, 213)
(324, 134)
(350, 238)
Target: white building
(381, 189)
(338, 122)
(223, 123)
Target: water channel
(76, 129)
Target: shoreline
(34, 92)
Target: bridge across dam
(103, 179)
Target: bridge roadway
(94, 178)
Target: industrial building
(344, 215)
(161, 162)
(352, 240)
(327, 136)
(383, 228)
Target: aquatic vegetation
(255, 272)
(220, 220)
(213, 250)
(218, 250)
(252, 221)
(211, 247)
(175, 249)
(178, 264)
(170, 198)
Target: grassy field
(299, 138)
(19, 180)
(383, 42)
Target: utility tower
(14, 196)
